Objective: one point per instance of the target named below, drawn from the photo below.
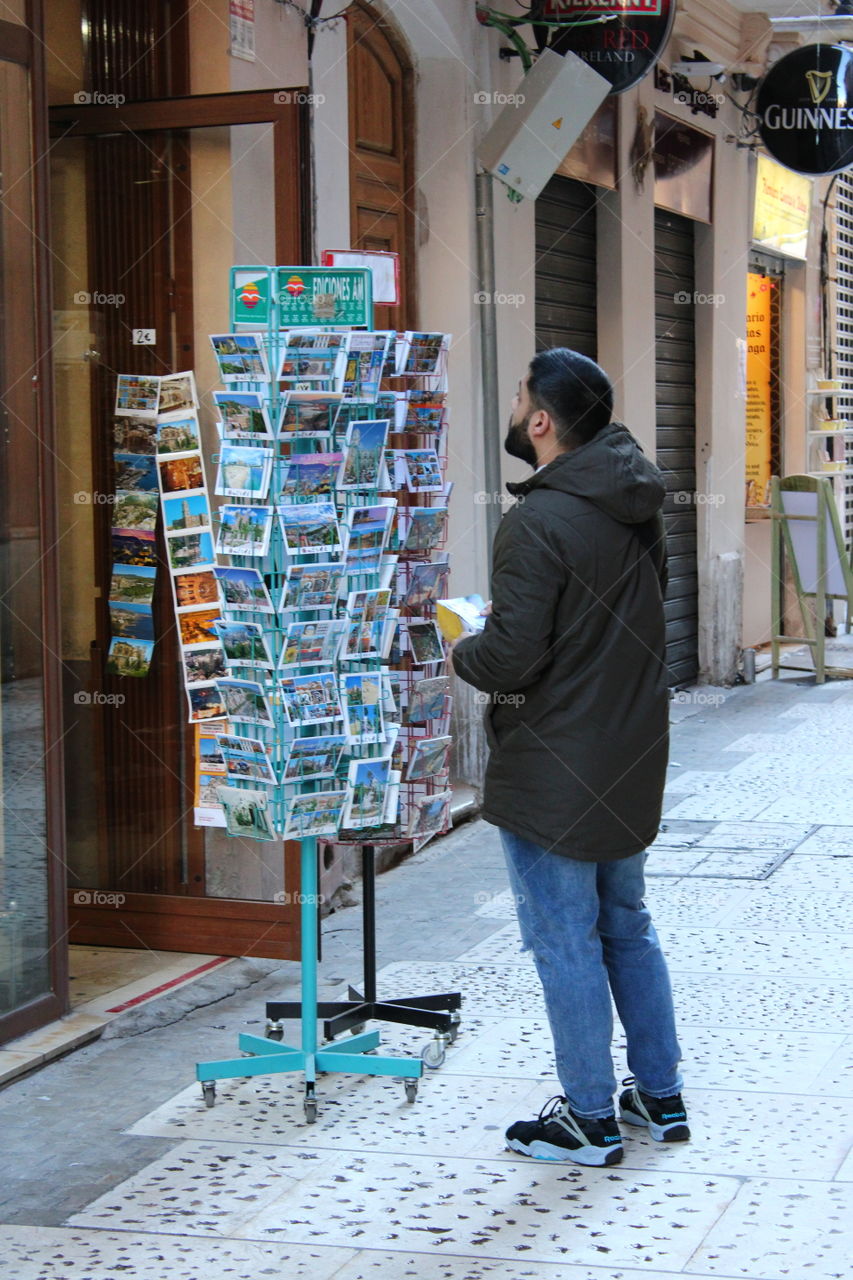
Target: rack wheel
(310, 1110)
(451, 1033)
(208, 1092)
(411, 1090)
(357, 1030)
(434, 1052)
(275, 1031)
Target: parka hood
(611, 471)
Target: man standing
(572, 655)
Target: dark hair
(573, 390)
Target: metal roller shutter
(565, 267)
(675, 378)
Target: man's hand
(452, 645)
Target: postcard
(423, 470)
(420, 353)
(367, 612)
(243, 589)
(424, 641)
(243, 415)
(390, 694)
(310, 527)
(134, 546)
(132, 583)
(364, 364)
(136, 472)
(198, 625)
(135, 434)
(312, 586)
(185, 512)
(367, 528)
(246, 758)
(241, 357)
(128, 657)
(311, 355)
(204, 664)
(310, 474)
(427, 527)
(311, 699)
(421, 411)
(429, 815)
(189, 549)
(364, 455)
(429, 757)
(426, 582)
(362, 700)
(209, 752)
(247, 812)
(312, 643)
(367, 781)
(243, 471)
(205, 703)
(181, 474)
(134, 621)
(178, 393)
(315, 815)
(308, 413)
(428, 700)
(178, 434)
(310, 758)
(244, 644)
(135, 510)
(137, 393)
(244, 531)
(207, 811)
(246, 701)
(195, 587)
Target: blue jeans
(590, 934)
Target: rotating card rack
(423, 808)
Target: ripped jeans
(591, 934)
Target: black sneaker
(558, 1134)
(665, 1118)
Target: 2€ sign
(144, 337)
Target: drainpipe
(488, 356)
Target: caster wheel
(434, 1053)
(452, 1034)
(310, 1110)
(411, 1090)
(208, 1092)
(275, 1033)
(356, 1031)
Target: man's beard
(518, 444)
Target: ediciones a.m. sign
(805, 109)
(624, 46)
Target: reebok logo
(674, 1115)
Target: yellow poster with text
(758, 365)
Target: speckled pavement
(115, 1167)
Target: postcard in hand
(311, 699)
(309, 528)
(364, 454)
(243, 415)
(244, 531)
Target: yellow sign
(758, 372)
(783, 202)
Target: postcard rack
(340, 688)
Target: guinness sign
(805, 109)
(622, 49)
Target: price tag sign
(144, 337)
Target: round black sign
(622, 49)
(805, 121)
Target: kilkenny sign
(624, 46)
(804, 118)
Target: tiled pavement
(752, 886)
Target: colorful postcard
(316, 815)
(137, 393)
(367, 782)
(136, 472)
(205, 703)
(135, 621)
(134, 546)
(244, 644)
(307, 475)
(308, 413)
(247, 812)
(244, 531)
(429, 815)
(367, 612)
(427, 528)
(367, 529)
(426, 582)
(204, 664)
(181, 474)
(132, 583)
(178, 435)
(135, 510)
(312, 586)
(243, 589)
(128, 657)
(364, 365)
(246, 758)
(311, 355)
(189, 549)
(420, 353)
(312, 643)
(310, 758)
(363, 715)
(208, 750)
(364, 455)
(429, 757)
(185, 512)
(198, 625)
(243, 415)
(421, 411)
(241, 357)
(311, 699)
(195, 587)
(428, 700)
(425, 641)
(423, 470)
(178, 393)
(243, 472)
(135, 435)
(310, 527)
(246, 701)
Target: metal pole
(489, 356)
